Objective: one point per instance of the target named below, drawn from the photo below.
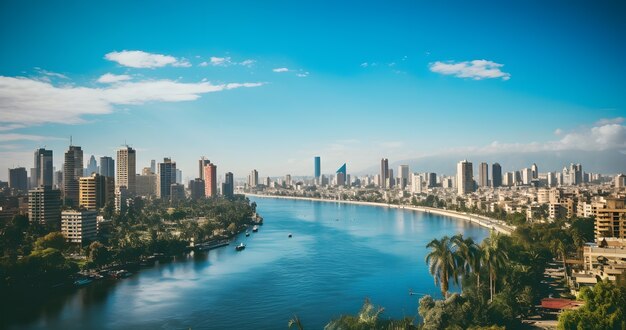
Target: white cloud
(50, 73)
(220, 61)
(11, 127)
(141, 59)
(606, 121)
(248, 62)
(280, 70)
(28, 101)
(25, 137)
(477, 69)
(364, 64)
(109, 78)
(303, 74)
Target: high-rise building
(153, 166)
(44, 206)
(611, 220)
(288, 181)
(432, 179)
(18, 179)
(253, 179)
(496, 175)
(416, 183)
(551, 179)
(177, 191)
(403, 176)
(464, 177)
(179, 176)
(535, 171)
(126, 169)
(527, 176)
(620, 180)
(228, 186)
(43, 168)
(578, 174)
(483, 175)
(318, 168)
(107, 166)
(384, 172)
(79, 226)
(72, 171)
(390, 179)
(95, 191)
(146, 183)
(92, 166)
(201, 164)
(210, 180)
(165, 178)
(341, 175)
(196, 188)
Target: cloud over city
(143, 60)
(476, 69)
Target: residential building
(483, 175)
(384, 172)
(44, 206)
(72, 171)
(166, 176)
(465, 177)
(210, 180)
(79, 226)
(496, 175)
(107, 167)
(228, 186)
(611, 220)
(18, 179)
(126, 169)
(43, 168)
(95, 191)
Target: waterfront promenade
(497, 225)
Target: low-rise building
(79, 226)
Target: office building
(527, 176)
(95, 191)
(619, 182)
(79, 226)
(341, 175)
(44, 206)
(210, 180)
(126, 169)
(464, 177)
(496, 175)
(253, 179)
(483, 175)
(18, 179)
(535, 171)
(92, 166)
(318, 168)
(107, 167)
(228, 186)
(146, 183)
(403, 176)
(72, 171)
(153, 166)
(202, 162)
(177, 192)
(166, 176)
(416, 184)
(384, 172)
(43, 168)
(196, 188)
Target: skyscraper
(72, 171)
(384, 172)
(253, 179)
(153, 166)
(196, 188)
(535, 171)
(201, 164)
(496, 175)
(107, 167)
(92, 166)
(43, 168)
(95, 191)
(228, 186)
(483, 175)
(18, 179)
(403, 176)
(464, 177)
(527, 175)
(341, 175)
(44, 206)
(126, 169)
(165, 178)
(210, 180)
(432, 180)
(318, 168)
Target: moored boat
(240, 247)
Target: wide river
(339, 255)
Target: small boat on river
(240, 247)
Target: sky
(268, 85)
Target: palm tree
(558, 248)
(443, 263)
(468, 253)
(493, 257)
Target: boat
(247, 233)
(83, 281)
(255, 228)
(289, 235)
(240, 247)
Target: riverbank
(480, 220)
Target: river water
(339, 255)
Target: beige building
(79, 226)
(126, 169)
(146, 184)
(95, 191)
(611, 220)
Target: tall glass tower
(318, 167)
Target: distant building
(483, 175)
(210, 180)
(341, 175)
(201, 164)
(177, 192)
(228, 186)
(535, 171)
(107, 167)
(620, 181)
(416, 184)
(390, 179)
(464, 177)
(95, 191)
(318, 168)
(72, 171)
(611, 220)
(384, 172)
(253, 179)
(92, 166)
(146, 183)
(527, 176)
(165, 178)
(432, 180)
(126, 169)
(403, 176)
(44, 206)
(79, 226)
(43, 168)
(496, 175)
(18, 179)
(196, 188)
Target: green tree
(54, 240)
(442, 263)
(604, 308)
(468, 253)
(99, 254)
(494, 256)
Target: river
(339, 255)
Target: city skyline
(307, 91)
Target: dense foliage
(604, 308)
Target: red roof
(560, 303)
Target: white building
(79, 226)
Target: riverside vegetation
(36, 261)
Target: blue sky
(269, 85)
